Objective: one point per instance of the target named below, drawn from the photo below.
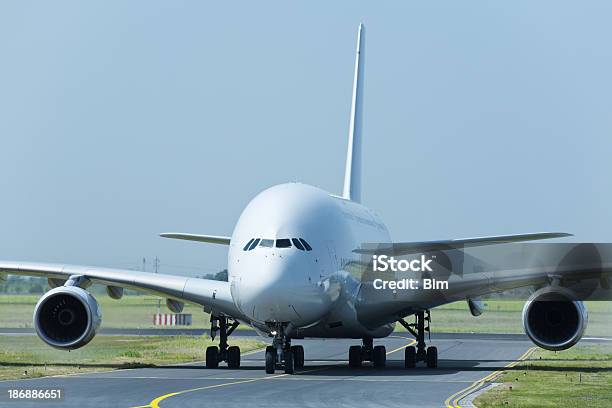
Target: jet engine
(553, 320)
(67, 317)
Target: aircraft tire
(212, 357)
(270, 360)
(355, 356)
(233, 357)
(432, 357)
(289, 362)
(410, 357)
(379, 356)
(298, 352)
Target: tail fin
(352, 172)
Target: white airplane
(296, 269)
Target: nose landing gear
(281, 354)
(224, 352)
(412, 355)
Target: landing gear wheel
(302, 359)
(233, 357)
(355, 356)
(379, 356)
(298, 353)
(432, 357)
(214, 354)
(212, 357)
(413, 355)
(410, 357)
(289, 362)
(270, 359)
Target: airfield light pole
(158, 299)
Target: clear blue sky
(120, 120)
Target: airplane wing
(581, 271)
(406, 248)
(211, 239)
(213, 295)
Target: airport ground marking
(412, 341)
(453, 400)
(155, 402)
(458, 396)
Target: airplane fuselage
(307, 288)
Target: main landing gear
(224, 352)
(281, 354)
(413, 355)
(366, 352)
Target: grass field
(534, 383)
(128, 312)
(574, 378)
(29, 357)
(501, 316)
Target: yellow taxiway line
(453, 400)
(155, 402)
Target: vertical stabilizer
(352, 172)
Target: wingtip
(552, 235)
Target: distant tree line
(16, 285)
(219, 276)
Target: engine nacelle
(67, 317)
(553, 320)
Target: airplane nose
(277, 289)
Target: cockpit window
(283, 243)
(268, 243)
(254, 244)
(297, 244)
(308, 247)
(248, 244)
